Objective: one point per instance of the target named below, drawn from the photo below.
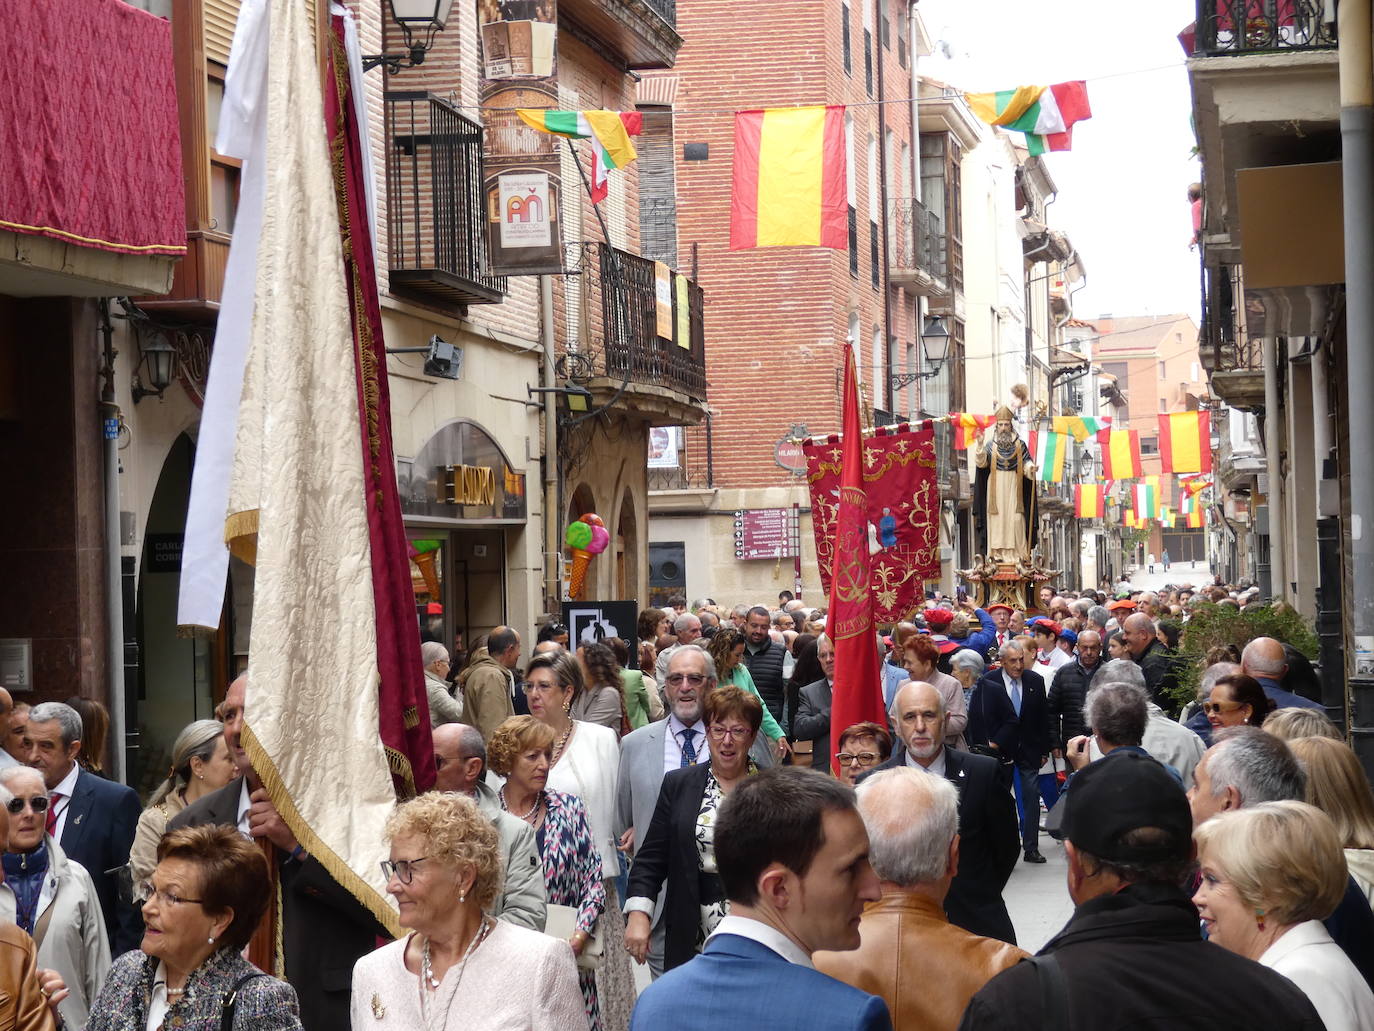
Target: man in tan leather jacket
(924, 967)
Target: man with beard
(987, 816)
(651, 751)
(1003, 493)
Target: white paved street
(1195, 573)
(1037, 897)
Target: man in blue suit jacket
(93, 819)
(793, 858)
(1009, 714)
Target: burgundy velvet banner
(903, 513)
(404, 705)
(89, 129)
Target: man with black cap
(1132, 955)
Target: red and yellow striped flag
(967, 427)
(788, 185)
(1089, 500)
(1185, 442)
(1196, 519)
(1120, 454)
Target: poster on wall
(592, 621)
(521, 184)
(664, 446)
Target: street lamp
(158, 357)
(419, 20)
(935, 340)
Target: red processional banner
(903, 513)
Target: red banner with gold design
(903, 515)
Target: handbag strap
(230, 1000)
(1054, 992)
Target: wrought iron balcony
(436, 221)
(1229, 27)
(643, 33)
(620, 336)
(918, 256)
(695, 468)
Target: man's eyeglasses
(1220, 707)
(678, 679)
(857, 758)
(736, 734)
(402, 869)
(39, 803)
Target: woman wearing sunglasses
(1237, 700)
(679, 848)
(459, 967)
(51, 897)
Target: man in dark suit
(987, 815)
(1009, 714)
(324, 929)
(93, 819)
(793, 859)
(812, 721)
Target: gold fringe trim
(410, 715)
(399, 763)
(368, 896)
(241, 534)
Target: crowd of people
(682, 801)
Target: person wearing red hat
(1001, 617)
(1048, 658)
(938, 619)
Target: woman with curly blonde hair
(458, 968)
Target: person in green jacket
(727, 650)
(639, 707)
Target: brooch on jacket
(378, 1010)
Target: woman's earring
(210, 941)
(1259, 919)
(462, 896)
(567, 707)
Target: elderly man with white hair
(1171, 743)
(443, 707)
(687, 630)
(913, 846)
(51, 897)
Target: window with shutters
(844, 39)
(657, 188)
(868, 61)
(901, 40)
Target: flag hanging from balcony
(967, 427)
(787, 188)
(1049, 451)
(1082, 426)
(1195, 519)
(610, 131)
(1089, 500)
(903, 513)
(1120, 454)
(857, 693)
(1144, 495)
(1185, 442)
(1046, 114)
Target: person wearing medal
(458, 968)
(521, 750)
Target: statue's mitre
(1003, 412)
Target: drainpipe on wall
(1273, 443)
(114, 577)
(553, 501)
(1357, 176)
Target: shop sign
(164, 552)
(592, 621)
(787, 452)
(764, 533)
(469, 485)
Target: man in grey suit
(812, 721)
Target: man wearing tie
(1001, 618)
(1009, 715)
(651, 751)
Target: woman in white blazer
(1271, 873)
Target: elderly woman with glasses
(862, 747)
(209, 891)
(679, 849)
(458, 968)
(51, 897)
(520, 750)
(1271, 873)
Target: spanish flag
(1185, 442)
(1196, 519)
(967, 427)
(1120, 454)
(788, 184)
(1195, 485)
(1089, 500)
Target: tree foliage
(1211, 625)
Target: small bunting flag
(1144, 495)
(1185, 442)
(967, 427)
(1082, 426)
(1120, 454)
(1049, 451)
(1089, 500)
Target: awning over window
(88, 128)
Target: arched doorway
(178, 677)
(627, 551)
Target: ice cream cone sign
(585, 538)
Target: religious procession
(543, 515)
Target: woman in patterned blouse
(520, 750)
(679, 847)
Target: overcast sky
(1123, 187)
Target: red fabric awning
(88, 127)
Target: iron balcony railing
(665, 9)
(436, 224)
(620, 333)
(918, 238)
(695, 469)
(1226, 27)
